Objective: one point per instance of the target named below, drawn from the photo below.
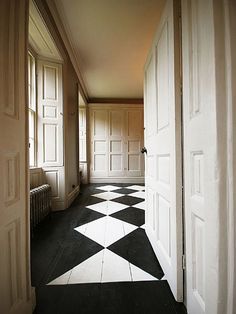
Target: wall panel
(116, 141)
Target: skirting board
(117, 180)
(58, 205)
(72, 195)
(62, 205)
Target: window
(32, 110)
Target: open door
(15, 287)
(201, 159)
(163, 177)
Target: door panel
(163, 143)
(50, 114)
(116, 143)
(199, 145)
(134, 143)
(82, 135)
(15, 287)
(99, 143)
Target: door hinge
(183, 262)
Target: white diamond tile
(94, 230)
(107, 207)
(108, 188)
(114, 231)
(115, 268)
(114, 207)
(140, 194)
(140, 205)
(140, 275)
(108, 195)
(61, 280)
(143, 227)
(117, 229)
(104, 266)
(128, 228)
(106, 230)
(99, 207)
(88, 271)
(136, 187)
(82, 228)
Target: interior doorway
(83, 140)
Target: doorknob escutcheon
(144, 150)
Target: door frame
(225, 50)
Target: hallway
(96, 257)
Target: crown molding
(135, 101)
(67, 42)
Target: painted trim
(116, 100)
(230, 77)
(117, 180)
(58, 205)
(103, 106)
(72, 195)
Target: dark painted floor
(57, 249)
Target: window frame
(32, 107)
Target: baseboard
(62, 205)
(72, 195)
(58, 205)
(118, 180)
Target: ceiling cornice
(67, 42)
(135, 101)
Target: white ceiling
(111, 39)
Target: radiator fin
(40, 204)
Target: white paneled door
(200, 168)
(163, 143)
(15, 287)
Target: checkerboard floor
(100, 240)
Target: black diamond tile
(94, 200)
(124, 191)
(136, 248)
(131, 215)
(87, 216)
(128, 200)
(74, 250)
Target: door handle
(144, 150)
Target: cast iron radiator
(40, 204)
